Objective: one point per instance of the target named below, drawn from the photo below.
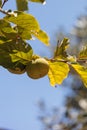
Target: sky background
(18, 93)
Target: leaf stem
(57, 60)
(66, 61)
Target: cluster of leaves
(15, 53)
(72, 115)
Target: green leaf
(83, 53)
(6, 30)
(38, 1)
(82, 71)
(3, 25)
(9, 33)
(58, 72)
(23, 5)
(42, 36)
(14, 53)
(27, 26)
(24, 34)
(61, 49)
(0, 3)
(25, 21)
(3, 39)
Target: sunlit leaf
(6, 30)
(21, 56)
(21, 52)
(60, 51)
(38, 1)
(42, 36)
(3, 25)
(22, 5)
(83, 53)
(82, 71)
(58, 72)
(24, 33)
(9, 33)
(71, 59)
(27, 26)
(14, 53)
(25, 21)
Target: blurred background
(34, 104)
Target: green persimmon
(37, 68)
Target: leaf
(61, 49)
(25, 21)
(24, 34)
(6, 30)
(3, 39)
(42, 36)
(58, 72)
(0, 3)
(23, 5)
(71, 59)
(82, 71)
(9, 33)
(3, 25)
(83, 53)
(38, 1)
(14, 53)
(27, 26)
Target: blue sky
(19, 93)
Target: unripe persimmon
(37, 68)
(16, 70)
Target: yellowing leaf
(24, 20)
(83, 53)
(24, 34)
(21, 52)
(6, 30)
(15, 53)
(9, 33)
(61, 49)
(42, 36)
(4, 25)
(82, 71)
(21, 56)
(58, 72)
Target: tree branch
(3, 11)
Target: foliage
(16, 27)
(72, 114)
(58, 72)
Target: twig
(3, 3)
(4, 12)
(82, 60)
